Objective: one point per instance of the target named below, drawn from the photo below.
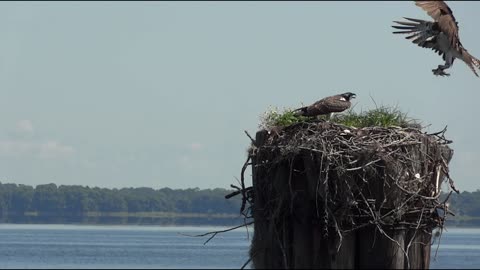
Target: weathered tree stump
(330, 196)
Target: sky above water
(158, 94)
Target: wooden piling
(296, 227)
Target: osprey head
(348, 96)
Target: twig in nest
(448, 197)
(450, 181)
(235, 193)
(393, 240)
(253, 141)
(214, 233)
(364, 166)
(413, 237)
(438, 244)
(242, 178)
(246, 263)
(439, 132)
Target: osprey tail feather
(475, 63)
(470, 60)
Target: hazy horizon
(158, 94)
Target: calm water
(71, 246)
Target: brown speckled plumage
(332, 104)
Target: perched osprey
(440, 35)
(332, 104)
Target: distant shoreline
(151, 214)
(166, 219)
(127, 218)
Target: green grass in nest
(379, 117)
(274, 117)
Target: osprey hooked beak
(349, 95)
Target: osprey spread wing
(441, 35)
(332, 104)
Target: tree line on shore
(75, 200)
(466, 204)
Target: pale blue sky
(157, 94)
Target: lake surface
(85, 246)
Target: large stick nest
(385, 176)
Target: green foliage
(62, 201)
(379, 117)
(48, 198)
(273, 117)
(77, 200)
(465, 204)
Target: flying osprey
(441, 35)
(328, 105)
